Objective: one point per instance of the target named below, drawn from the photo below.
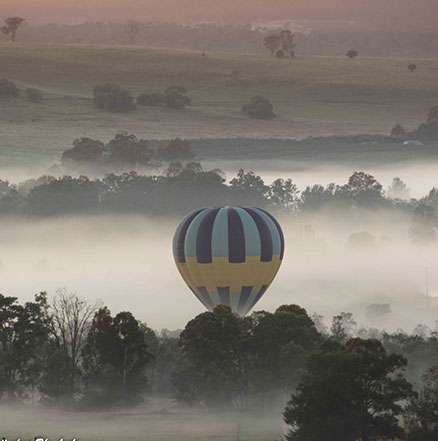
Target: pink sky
(400, 13)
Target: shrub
(176, 149)
(259, 108)
(352, 53)
(175, 97)
(398, 131)
(84, 150)
(150, 99)
(112, 98)
(280, 53)
(34, 95)
(412, 67)
(8, 88)
(433, 114)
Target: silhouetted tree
(34, 95)
(398, 131)
(352, 53)
(175, 97)
(113, 98)
(432, 114)
(398, 189)
(8, 88)
(424, 409)
(424, 228)
(412, 67)
(272, 42)
(132, 29)
(349, 393)
(11, 26)
(259, 107)
(287, 42)
(176, 149)
(115, 357)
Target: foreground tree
(23, 334)
(71, 322)
(349, 393)
(11, 26)
(424, 409)
(215, 365)
(115, 357)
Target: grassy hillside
(311, 95)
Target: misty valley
(217, 228)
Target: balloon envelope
(229, 255)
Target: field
(151, 422)
(312, 96)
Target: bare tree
(11, 26)
(132, 29)
(71, 318)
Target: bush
(150, 99)
(352, 53)
(433, 114)
(112, 98)
(398, 131)
(175, 97)
(8, 88)
(280, 53)
(412, 67)
(34, 95)
(176, 149)
(259, 108)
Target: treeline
(185, 187)
(74, 354)
(242, 38)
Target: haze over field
(396, 14)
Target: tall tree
(115, 357)
(272, 42)
(23, 333)
(287, 42)
(132, 29)
(424, 409)
(71, 321)
(215, 346)
(349, 393)
(11, 26)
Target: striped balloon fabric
(229, 255)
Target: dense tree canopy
(353, 392)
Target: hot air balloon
(229, 255)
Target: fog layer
(127, 263)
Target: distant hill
(312, 37)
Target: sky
(404, 14)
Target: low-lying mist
(127, 263)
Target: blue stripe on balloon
(204, 238)
(276, 239)
(252, 236)
(219, 244)
(236, 238)
(180, 235)
(192, 233)
(264, 233)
